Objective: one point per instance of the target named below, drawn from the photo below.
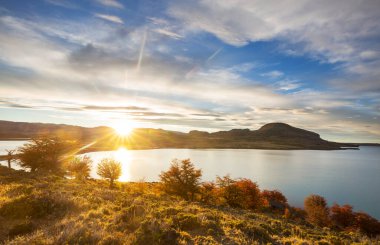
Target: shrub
(208, 193)
(109, 169)
(186, 221)
(151, 232)
(36, 205)
(342, 216)
(44, 154)
(21, 229)
(224, 181)
(366, 224)
(274, 199)
(230, 192)
(241, 193)
(297, 213)
(182, 179)
(317, 210)
(250, 192)
(80, 168)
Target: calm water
(10, 145)
(347, 176)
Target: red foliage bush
(274, 199)
(241, 193)
(367, 224)
(342, 216)
(208, 193)
(251, 194)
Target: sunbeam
(139, 62)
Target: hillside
(270, 136)
(40, 209)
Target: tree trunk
(9, 163)
(111, 183)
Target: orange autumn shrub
(317, 210)
(342, 216)
(251, 194)
(274, 199)
(367, 224)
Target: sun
(123, 128)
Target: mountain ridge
(270, 136)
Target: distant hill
(25, 130)
(269, 136)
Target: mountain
(25, 130)
(269, 136)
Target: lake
(345, 176)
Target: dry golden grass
(40, 209)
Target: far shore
(90, 150)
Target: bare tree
(11, 157)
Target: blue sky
(183, 65)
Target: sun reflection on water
(124, 157)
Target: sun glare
(124, 128)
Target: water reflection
(123, 156)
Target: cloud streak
(111, 3)
(111, 18)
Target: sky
(194, 65)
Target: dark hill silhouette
(285, 130)
(269, 136)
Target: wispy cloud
(288, 84)
(63, 3)
(111, 3)
(273, 74)
(168, 33)
(111, 18)
(314, 26)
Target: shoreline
(4, 157)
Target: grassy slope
(52, 210)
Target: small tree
(10, 157)
(80, 167)
(109, 169)
(317, 210)
(182, 179)
(44, 154)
